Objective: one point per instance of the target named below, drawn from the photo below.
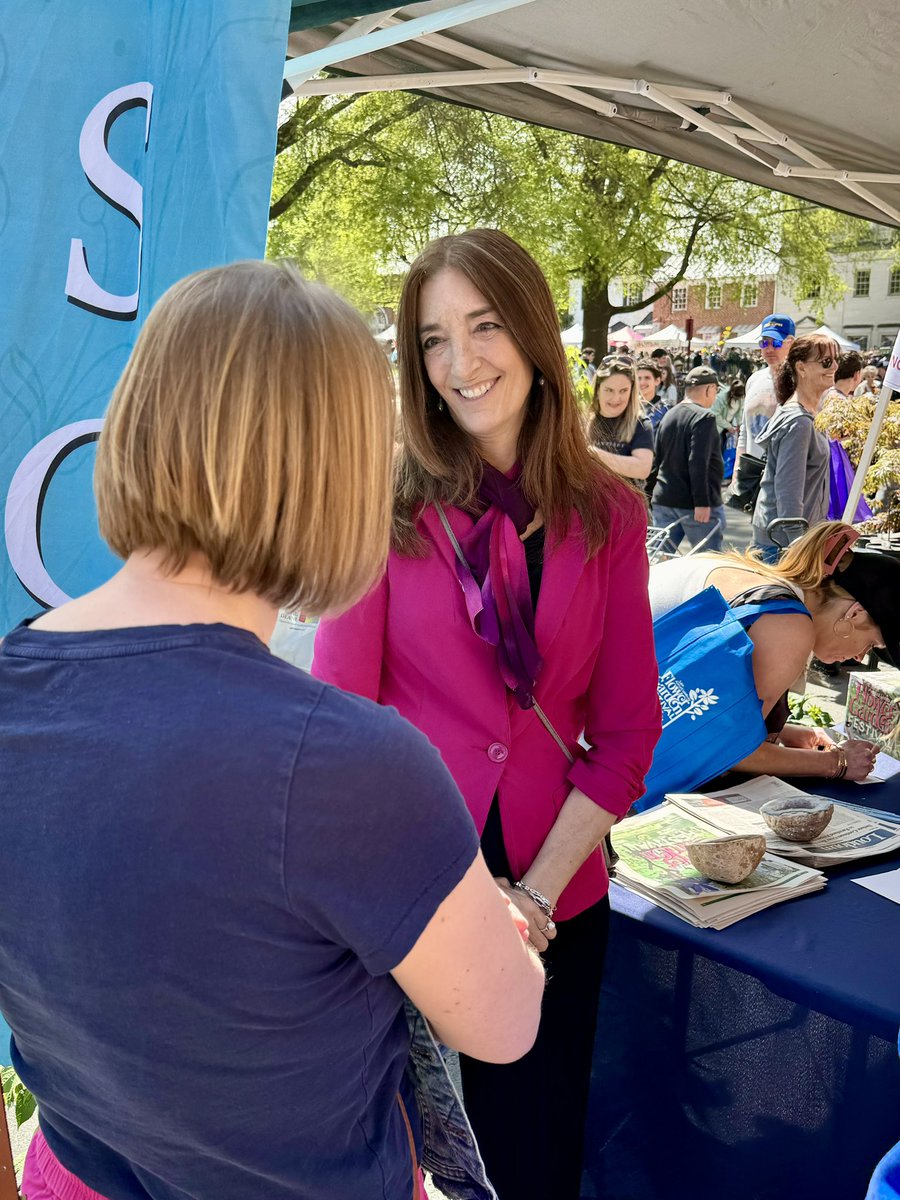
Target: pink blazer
(409, 644)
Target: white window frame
(679, 297)
(632, 292)
(749, 294)
(857, 294)
(894, 281)
(714, 291)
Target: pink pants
(45, 1178)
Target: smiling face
(816, 374)
(474, 364)
(646, 384)
(613, 395)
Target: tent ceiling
(784, 93)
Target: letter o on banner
(25, 503)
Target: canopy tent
(625, 336)
(668, 336)
(817, 124)
(844, 343)
(387, 335)
(755, 108)
(573, 336)
(745, 340)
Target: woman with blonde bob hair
(227, 898)
(513, 617)
(847, 607)
(621, 436)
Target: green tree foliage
(362, 183)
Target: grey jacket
(795, 479)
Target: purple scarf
(495, 582)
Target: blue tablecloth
(759, 1061)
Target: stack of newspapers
(854, 832)
(654, 863)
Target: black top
(534, 561)
(689, 458)
(603, 434)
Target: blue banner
(136, 145)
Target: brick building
(717, 304)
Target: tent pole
(446, 18)
(360, 28)
(868, 453)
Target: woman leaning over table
(549, 603)
(621, 436)
(850, 608)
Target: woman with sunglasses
(620, 436)
(795, 478)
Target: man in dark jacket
(689, 460)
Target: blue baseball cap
(777, 327)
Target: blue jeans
(768, 553)
(696, 530)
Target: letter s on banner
(119, 189)
(25, 503)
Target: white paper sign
(892, 374)
(886, 884)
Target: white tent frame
(733, 123)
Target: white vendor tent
(844, 343)
(671, 335)
(745, 340)
(573, 336)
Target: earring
(541, 381)
(843, 621)
(441, 404)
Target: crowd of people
(271, 901)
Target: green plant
(805, 711)
(17, 1096)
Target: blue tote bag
(711, 713)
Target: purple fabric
(495, 582)
(841, 478)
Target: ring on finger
(549, 927)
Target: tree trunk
(598, 312)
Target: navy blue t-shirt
(211, 861)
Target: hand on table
(539, 934)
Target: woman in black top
(618, 434)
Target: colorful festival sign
(136, 146)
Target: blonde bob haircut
(253, 425)
(438, 460)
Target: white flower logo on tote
(678, 701)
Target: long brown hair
(811, 345)
(438, 460)
(622, 427)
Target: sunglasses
(827, 363)
(769, 344)
(624, 359)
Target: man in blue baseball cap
(775, 337)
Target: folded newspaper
(854, 832)
(654, 863)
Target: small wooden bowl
(728, 859)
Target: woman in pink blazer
(515, 598)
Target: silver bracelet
(538, 897)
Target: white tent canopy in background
(844, 343)
(745, 340)
(573, 336)
(387, 335)
(671, 335)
